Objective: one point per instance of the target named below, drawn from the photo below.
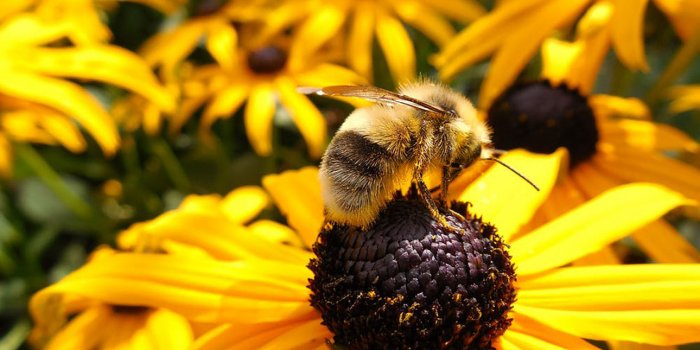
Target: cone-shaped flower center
(267, 60)
(407, 282)
(542, 118)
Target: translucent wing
(372, 93)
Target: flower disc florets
(409, 283)
(541, 118)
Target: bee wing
(372, 93)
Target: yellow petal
(277, 233)
(244, 203)
(663, 244)
(627, 26)
(526, 333)
(5, 157)
(168, 330)
(660, 327)
(685, 98)
(608, 106)
(202, 290)
(646, 135)
(311, 124)
(221, 42)
(67, 98)
(397, 47)
(507, 201)
(359, 48)
(104, 63)
(427, 21)
(29, 29)
(225, 335)
(65, 132)
(307, 335)
(259, 112)
(522, 45)
(558, 57)
(324, 24)
(85, 331)
(171, 47)
(298, 195)
(634, 165)
(487, 26)
(609, 275)
(600, 221)
(460, 10)
(225, 103)
(326, 74)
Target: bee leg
(432, 207)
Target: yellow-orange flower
(514, 31)
(252, 291)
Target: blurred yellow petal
(221, 42)
(685, 98)
(397, 47)
(307, 118)
(558, 57)
(460, 10)
(327, 74)
(224, 104)
(168, 330)
(627, 26)
(305, 216)
(427, 21)
(108, 64)
(663, 244)
(359, 48)
(324, 24)
(506, 200)
(259, 112)
(65, 132)
(244, 203)
(682, 14)
(633, 165)
(597, 223)
(608, 106)
(646, 135)
(170, 48)
(30, 29)
(5, 157)
(67, 98)
(83, 332)
(307, 335)
(276, 232)
(223, 336)
(520, 46)
(488, 26)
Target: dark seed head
(267, 60)
(408, 283)
(207, 7)
(542, 118)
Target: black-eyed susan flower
(37, 63)
(101, 319)
(610, 139)
(384, 20)
(381, 288)
(262, 77)
(514, 31)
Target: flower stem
(171, 164)
(53, 180)
(678, 65)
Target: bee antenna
(513, 170)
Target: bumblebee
(379, 149)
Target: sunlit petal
(244, 203)
(592, 225)
(258, 118)
(397, 47)
(627, 24)
(305, 115)
(427, 21)
(359, 46)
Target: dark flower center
(207, 7)
(408, 283)
(542, 118)
(267, 60)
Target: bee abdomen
(357, 170)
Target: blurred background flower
(128, 123)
